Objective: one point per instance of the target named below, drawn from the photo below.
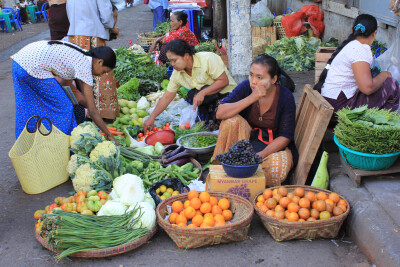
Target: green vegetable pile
(331, 42)
(70, 232)
(198, 127)
(375, 45)
(295, 53)
(206, 47)
(137, 65)
(369, 130)
(197, 141)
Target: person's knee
(234, 120)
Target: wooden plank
(312, 119)
(320, 65)
(340, 9)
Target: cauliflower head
(105, 149)
(75, 161)
(85, 178)
(84, 138)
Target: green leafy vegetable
(129, 90)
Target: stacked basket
(146, 40)
(283, 230)
(187, 238)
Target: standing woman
(58, 19)
(179, 30)
(37, 92)
(91, 23)
(347, 79)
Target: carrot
(103, 134)
(112, 129)
(116, 133)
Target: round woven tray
(145, 40)
(283, 230)
(106, 252)
(187, 238)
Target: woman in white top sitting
(347, 80)
(37, 92)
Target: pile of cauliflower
(96, 162)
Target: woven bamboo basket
(283, 230)
(187, 238)
(145, 40)
(106, 252)
(280, 29)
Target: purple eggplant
(185, 154)
(170, 148)
(179, 162)
(170, 153)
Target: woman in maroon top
(179, 30)
(257, 106)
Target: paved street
(18, 246)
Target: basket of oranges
(301, 212)
(196, 219)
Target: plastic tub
(237, 171)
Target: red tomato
(138, 139)
(155, 129)
(164, 127)
(140, 135)
(167, 124)
(187, 125)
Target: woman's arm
(154, 44)
(160, 107)
(218, 85)
(365, 82)
(94, 114)
(276, 145)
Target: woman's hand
(110, 137)
(152, 47)
(148, 124)
(260, 90)
(115, 30)
(198, 100)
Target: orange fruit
(299, 191)
(277, 197)
(279, 207)
(193, 194)
(324, 215)
(337, 211)
(310, 196)
(219, 217)
(259, 204)
(192, 226)
(209, 220)
(314, 213)
(287, 213)
(320, 205)
(279, 214)
(334, 197)
(205, 225)
(260, 198)
(271, 203)
(304, 203)
(282, 191)
(195, 203)
(219, 223)
(198, 212)
(311, 219)
(227, 215)
(204, 197)
(322, 196)
(181, 219)
(181, 224)
(275, 191)
(329, 208)
(224, 203)
(172, 217)
(293, 207)
(189, 212)
(197, 220)
(296, 199)
(271, 213)
(284, 202)
(293, 216)
(216, 210)
(342, 201)
(290, 195)
(343, 207)
(177, 206)
(302, 220)
(264, 208)
(208, 215)
(213, 201)
(267, 193)
(205, 208)
(304, 213)
(329, 201)
(186, 204)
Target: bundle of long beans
(71, 232)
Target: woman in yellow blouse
(204, 73)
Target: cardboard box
(218, 180)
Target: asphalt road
(18, 246)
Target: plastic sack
(390, 60)
(188, 115)
(173, 183)
(170, 115)
(261, 16)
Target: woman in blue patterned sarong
(37, 92)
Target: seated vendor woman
(347, 80)
(260, 106)
(204, 73)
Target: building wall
(339, 26)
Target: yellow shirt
(207, 67)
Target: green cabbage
(129, 189)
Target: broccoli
(129, 90)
